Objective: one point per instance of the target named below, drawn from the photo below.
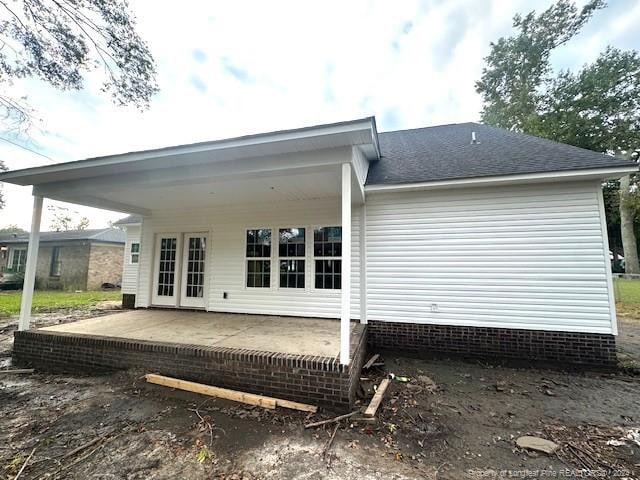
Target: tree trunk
(627, 228)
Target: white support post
(363, 263)
(345, 314)
(32, 261)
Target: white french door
(193, 270)
(179, 272)
(167, 264)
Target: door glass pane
(167, 270)
(195, 267)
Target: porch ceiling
(293, 335)
(314, 183)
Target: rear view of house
(458, 238)
(68, 260)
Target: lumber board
(370, 362)
(219, 392)
(304, 407)
(377, 398)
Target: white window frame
(270, 258)
(314, 258)
(132, 253)
(12, 254)
(305, 258)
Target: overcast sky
(235, 68)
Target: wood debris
(331, 420)
(377, 398)
(370, 362)
(236, 396)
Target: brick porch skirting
(558, 347)
(305, 378)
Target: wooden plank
(371, 361)
(18, 370)
(243, 397)
(377, 398)
(248, 398)
(296, 405)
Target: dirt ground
(452, 419)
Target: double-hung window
(259, 258)
(18, 259)
(327, 252)
(135, 252)
(56, 263)
(291, 250)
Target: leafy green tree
(12, 229)
(65, 219)
(61, 41)
(597, 108)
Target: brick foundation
(558, 347)
(305, 378)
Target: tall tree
(597, 108)
(61, 41)
(64, 219)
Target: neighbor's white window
(18, 259)
(56, 263)
(291, 250)
(259, 258)
(327, 252)
(135, 252)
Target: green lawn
(627, 290)
(627, 293)
(47, 301)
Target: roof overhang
(361, 133)
(594, 174)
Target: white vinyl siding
(130, 270)
(531, 257)
(226, 264)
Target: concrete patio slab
(293, 335)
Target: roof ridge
(430, 126)
(555, 142)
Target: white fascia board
(596, 173)
(367, 125)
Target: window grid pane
(259, 243)
(195, 267)
(166, 274)
(291, 242)
(258, 253)
(259, 273)
(327, 243)
(135, 252)
(292, 273)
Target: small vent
(474, 140)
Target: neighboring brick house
(71, 260)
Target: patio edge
(312, 379)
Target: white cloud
(234, 68)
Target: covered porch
(203, 205)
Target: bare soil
(452, 419)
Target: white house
(461, 238)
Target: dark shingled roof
(108, 235)
(445, 152)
